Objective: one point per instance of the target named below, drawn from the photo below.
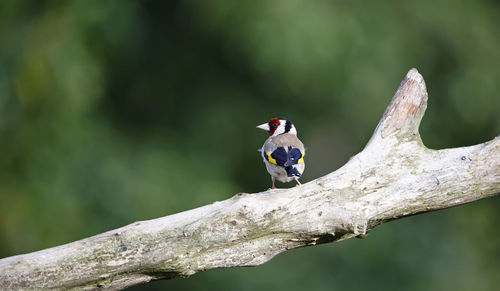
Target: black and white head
(277, 126)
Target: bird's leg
(297, 180)
(273, 187)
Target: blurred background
(118, 111)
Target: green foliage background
(118, 111)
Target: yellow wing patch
(270, 159)
(301, 158)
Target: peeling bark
(394, 176)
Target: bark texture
(394, 176)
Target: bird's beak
(264, 126)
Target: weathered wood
(394, 176)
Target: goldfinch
(283, 152)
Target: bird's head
(277, 126)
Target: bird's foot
(272, 186)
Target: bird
(283, 152)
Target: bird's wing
(279, 152)
(278, 157)
(295, 156)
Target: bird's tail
(292, 171)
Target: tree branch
(394, 176)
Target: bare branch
(406, 109)
(394, 176)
